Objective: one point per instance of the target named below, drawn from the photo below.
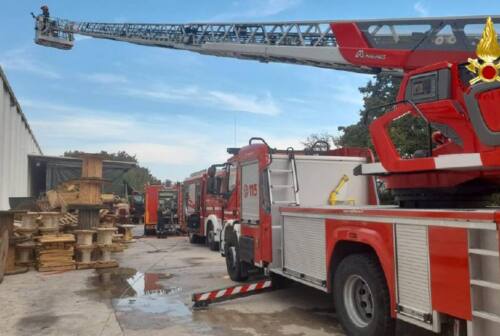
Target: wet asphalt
(150, 294)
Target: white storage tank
(17, 141)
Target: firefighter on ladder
(45, 17)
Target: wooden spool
(92, 165)
(127, 232)
(88, 217)
(48, 231)
(105, 259)
(50, 220)
(90, 191)
(84, 253)
(26, 232)
(25, 253)
(29, 220)
(105, 236)
(84, 237)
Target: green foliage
(382, 90)
(119, 156)
(319, 137)
(409, 133)
(136, 177)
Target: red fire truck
(203, 206)
(434, 268)
(431, 261)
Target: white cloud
(22, 61)
(174, 141)
(421, 9)
(257, 9)
(83, 128)
(106, 78)
(229, 101)
(154, 153)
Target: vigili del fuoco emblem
(487, 65)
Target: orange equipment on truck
(431, 261)
(151, 202)
(162, 209)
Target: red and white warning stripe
(232, 291)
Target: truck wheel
(362, 298)
(211, 243)
(193, 239)
(237, 269)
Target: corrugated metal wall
(16, 143)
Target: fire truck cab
(437, 269)
(203, 206)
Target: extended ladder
(365, 46)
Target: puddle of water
(130, 290)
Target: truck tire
(362, 298)
(237, 269)
(210, 241)
(193, 239)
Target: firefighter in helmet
(45, 17)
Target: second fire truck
(203, 206)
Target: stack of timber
(55, 253)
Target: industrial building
(17, 141)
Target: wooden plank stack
(55, 253)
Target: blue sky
(176, 110)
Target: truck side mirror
(212, 185)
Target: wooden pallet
(55, 253)
(82, 265)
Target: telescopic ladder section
(368, 46)
(283, 183)
(484, 266)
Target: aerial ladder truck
(430, 261)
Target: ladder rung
(280, 171)
(483, 252)
(486, 284)
(282, 186)
(486, 316)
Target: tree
(136, 177)
(313, 138)
(409, 133)
(118, 156)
